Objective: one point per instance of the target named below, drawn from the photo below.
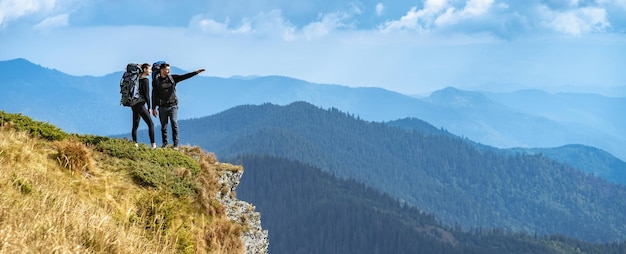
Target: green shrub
(161, 168)
(92, 139)
(35, 128)
(149, 175)
(118, 148)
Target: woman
(139, 109)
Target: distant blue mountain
(75, 104)
(598, 113)
(524, 119)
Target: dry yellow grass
(46, 207)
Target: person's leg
(146, 118)
(174, 118)
(163, 115)
(135, 123)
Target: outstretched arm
(179, 78)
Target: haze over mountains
(522, 119)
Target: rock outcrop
(255, 238)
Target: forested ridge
(310, 211)
(439, 174)
(588, 159)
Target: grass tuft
(21, 184)
(74, 156)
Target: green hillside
(64, 193)
(440, 174)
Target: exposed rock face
(255, 238)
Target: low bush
(39, 129)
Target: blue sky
(413, 47)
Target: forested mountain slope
(310, 211)
(591, 160)
(440, 174)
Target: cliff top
(80, 193)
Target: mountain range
(528, 118)
(461, 182)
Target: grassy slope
(66, 193)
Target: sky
(411, 47)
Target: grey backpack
(129, 86)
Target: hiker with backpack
(140, 110)
(135, 90)
(164, 96)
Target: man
(164, 96)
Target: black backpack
(156, 72)
(156, 69)
(129, 86)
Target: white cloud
(273, 24)
(326, 25)
(578, 21)
(11, 10)
(37, 14)
(477, 7)
(438, 13)
(263, 24)
(511, 19)
(417, 19)
(209, 25)
(407, 21)
(52, 22)
(380, 7)
(473, 8)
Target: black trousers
(140, 111)
(169, 113)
